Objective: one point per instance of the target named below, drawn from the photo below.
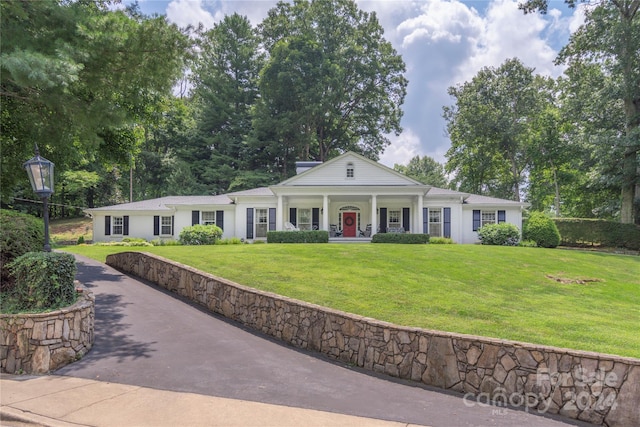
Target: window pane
(262, 222)
(208, 218)
(166, 225)
(118, 225)
(488, 217)
(394, 217)
(350, 170)
(304, 219)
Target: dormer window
(350, 170)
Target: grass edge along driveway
(581, 300)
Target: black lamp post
(40, 171)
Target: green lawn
(501, 292)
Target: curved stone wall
(593, 387)
(42, 342)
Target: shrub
(440, 241)
(44, 280)
(542, 230)
(162, 242)
(20, 234)
(307, 236)
(528, 244)
(403, 238)
(503, 234)
(200, 235)
(590, 232)
(231, 241)
(80, 240)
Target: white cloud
(189, 12)
(402, 149)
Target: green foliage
(503, 234)
(542, 230)
(307, 236)
(590, 232)
(127, 242)
(80, 240)
(20, 234)
(402, 238)
(231, 241)
(44, 280)
(200, 235)
(528, 244)
(165, 242)
(426, 170)
(441, 241)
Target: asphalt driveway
(148, 337)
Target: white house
(350, 196)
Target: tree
(225, 82)
(76, 76)
(331, 78)
(610, 39)
(424, 169)
(490, 128)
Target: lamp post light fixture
(40, 171)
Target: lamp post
(40, 171)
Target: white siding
(513, 216)
(335, 173)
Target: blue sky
(443, 43)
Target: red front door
(349, 225)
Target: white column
(279, 214)
(325, 212)
(374, 214)
(420, 218)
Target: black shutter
(447, 222)
(293, 216)
(172, 222)
(125, 225)
(156, 225)
(502, 216)
(406, 222)
(220, 219)
(425, 220)
(476, 220)
(249, 223)
(107, 225)
(315, 218)
(272, 219)
(383, 220)
(195, 217)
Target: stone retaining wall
(593, 387)
(42, 342)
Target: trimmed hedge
(503, 234)
(200, 235)
(44, 281)
(598, 232)
(20, 233)
(404, 238)
(542, 230)
(307, 236)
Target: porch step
(349, 239)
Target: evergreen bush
(598, 232)
(200, 235)
(542, 230)
(306, 236)
(21, 233)
(503, 234)
(43, 281)
(402, 238)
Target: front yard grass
(580, 300)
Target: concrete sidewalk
(59, 401)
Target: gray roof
(162, 203)
(475, 199)
(261, 191)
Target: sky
(442, 42)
